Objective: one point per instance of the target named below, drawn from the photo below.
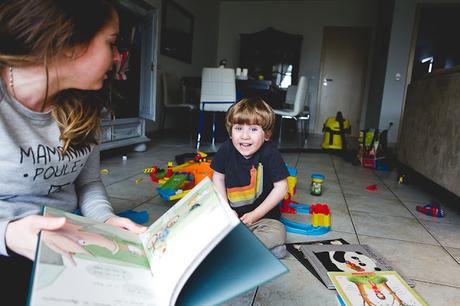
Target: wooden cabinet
(264, 52)
(133, 93)
(122, 132)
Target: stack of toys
(177, 181)
(372, 152)
(321, 215)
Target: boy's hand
(250, 218)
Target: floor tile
(447, 234)
(409, 192)
(154, 209)
(131, 190)
(312, 163)
(290, 159)
(120, 205)
(454, 253)
(402, 228)
(417, 261)
(349, 237)
(381, 206)
(298, 287)
(242, 300)
(360, 188)
(436, 295)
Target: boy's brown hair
(251, 111)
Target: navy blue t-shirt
(249, 181)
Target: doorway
(344, 62)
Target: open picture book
(197, 253)
(374, 288)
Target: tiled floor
(424, 248)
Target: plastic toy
(372, 187)
(321, 216)
(402, 179)
(317, 184)
(334, 130)
(432, 209)
(140, 217)
(372, 151)
(321, 219)
(176, 181)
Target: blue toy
(321, 219)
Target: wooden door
(344, 59)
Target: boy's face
(248, 138)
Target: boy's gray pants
(271, 232)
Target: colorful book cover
(295, 250)
(376, 288)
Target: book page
(177, 242)
(88, 263)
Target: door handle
(326, 80)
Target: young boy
(250, 172)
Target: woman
(52, 55)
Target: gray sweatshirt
(33, 172)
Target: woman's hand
(22, 235)
(126, 224)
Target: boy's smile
(248, 138)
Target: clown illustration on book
(374, 284)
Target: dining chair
(296, 96)
(173, 96)
(218, 93)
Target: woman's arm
(91, 192)
(93, 198)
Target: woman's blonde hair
(251, 111)
(36, 32)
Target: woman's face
(89, 69)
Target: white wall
(206, 18)
(297, 17)
(204, 50)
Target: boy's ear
(267, 136)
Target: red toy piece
(372, 187)
(285, 208)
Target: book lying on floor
(294, 249)
(374, 288)
(342, 258)
(197, 253)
